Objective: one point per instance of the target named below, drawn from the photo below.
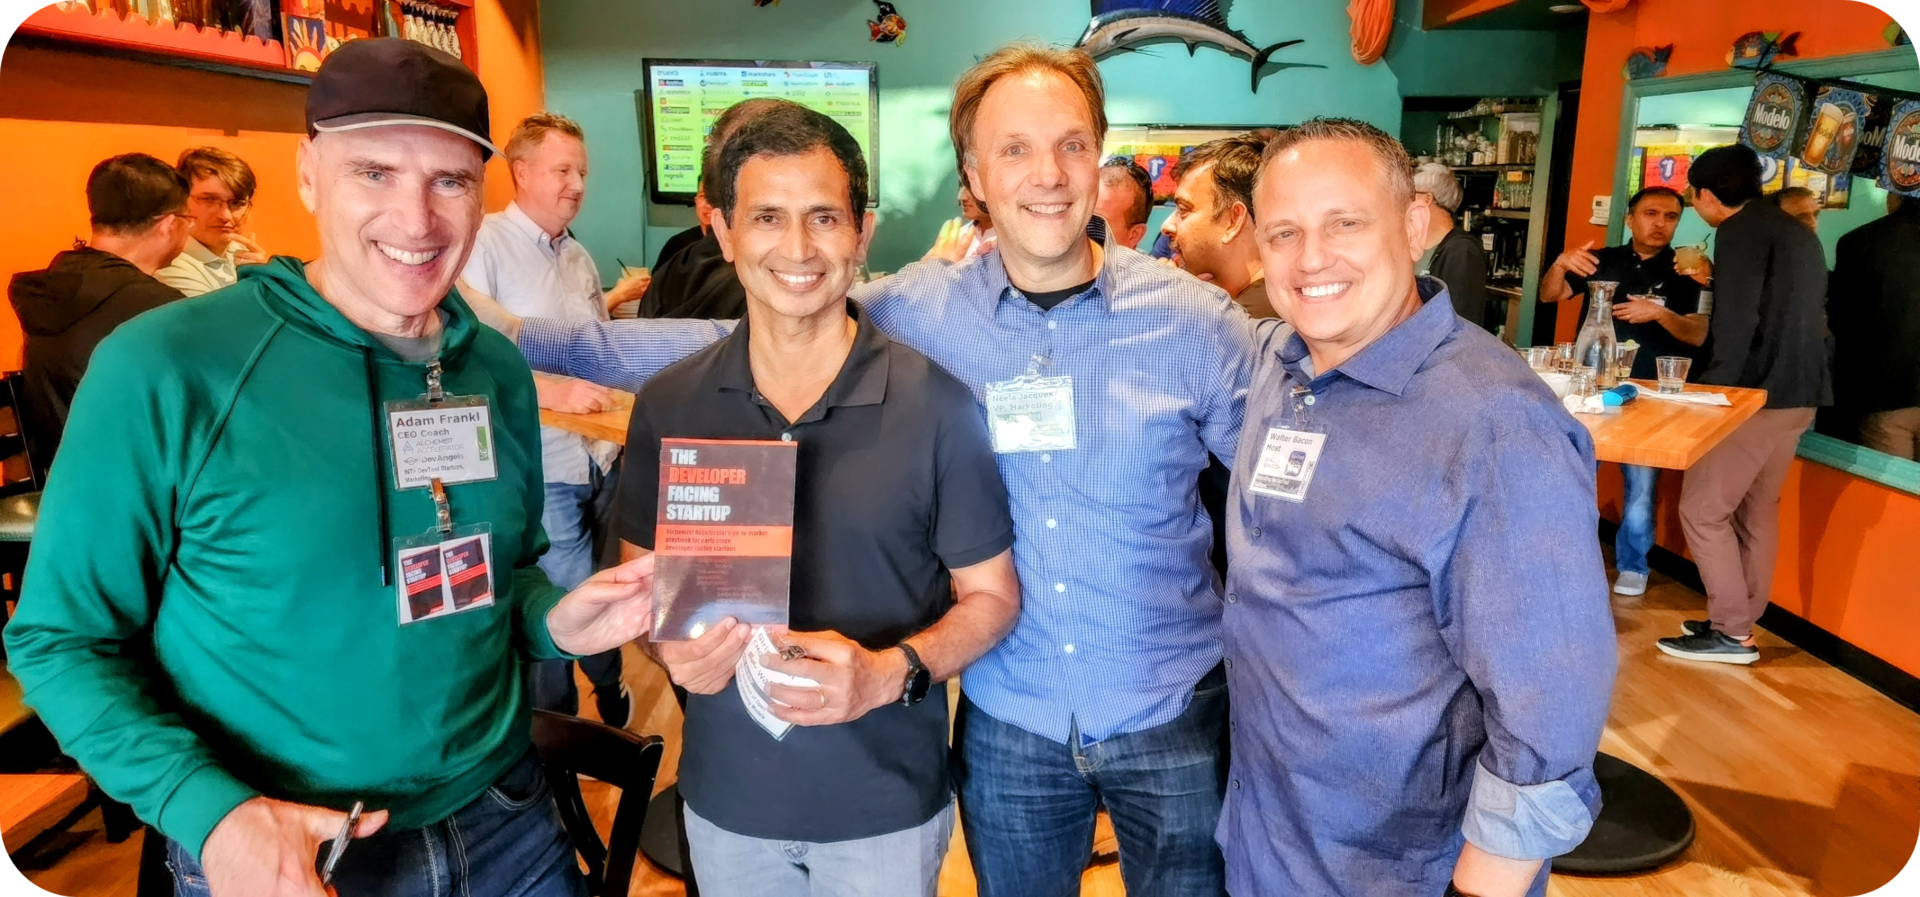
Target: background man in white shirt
(526, 259)
(218, 199)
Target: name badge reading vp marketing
(1287, 462)
(451, 440)
(1031, 414)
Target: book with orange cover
(724, 535)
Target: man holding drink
(1663, 313)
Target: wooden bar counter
(1673, 435)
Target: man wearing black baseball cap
(286, 564)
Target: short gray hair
(1391, 156)
(1437, 180)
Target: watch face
(918, 685)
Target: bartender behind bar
(1660, 310)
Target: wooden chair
(571, 747)
(21, 474)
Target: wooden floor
(1802, 780)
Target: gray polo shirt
(896, 484)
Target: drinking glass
(1672, 373)
(1583, 384)
(1563, 358)
(1540, 358)
(1687, 258)
(1623, 356)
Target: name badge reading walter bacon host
(450, 440)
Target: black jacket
(696, 282)
(1873, 309)
(1461, 264)
(1769, 298)
(66, 310)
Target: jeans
(508, 842)
(893, 865)
(577, 520)
(1635, 537)
(1027, 803)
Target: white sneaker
(1630, 584)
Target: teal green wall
(592, 51)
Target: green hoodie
(204, 617)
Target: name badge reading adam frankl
(450, 440)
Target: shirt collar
(1000, 288)
(199, 252)
(533, 231)
(862, 379)
(1389, 363)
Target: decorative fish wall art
(1123, 25)
(889, 27)
(1647, 62)
(1758, 49)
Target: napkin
(1692, 398)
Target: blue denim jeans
(1635, 537)
(1027, 803)
(899, 864)
(508, 842)
(576, 519)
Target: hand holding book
(704, 665)
(610, 609)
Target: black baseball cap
(380, 81)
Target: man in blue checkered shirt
(1106, 379)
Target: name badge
(450, 440)
(1031, 414)
(1287, 463)
(439, 577)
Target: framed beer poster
(1832, 133)
(1901, 174)
(1773, 115)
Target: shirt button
(1059, 586)
(1231, 597)
(1051, 523)
(1236, 784)
(1229, 663)
(1053, 325)
(786, 437)
(1256, 532)
(1046, 457)
(1068, 649)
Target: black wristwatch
(919, 681)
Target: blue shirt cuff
(1525, 822)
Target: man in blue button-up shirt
(1108, 691)
(1418, 641)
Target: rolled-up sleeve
(1526, 616)
(618, 354)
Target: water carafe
(1594, 349)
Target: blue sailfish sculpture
(1122, 24)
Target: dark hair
(1235, 161)
(1667, 192)
(728, 121)
(214, 162)
(789, 130)
(126, 194)
(1395, 165)
(1142, 186)
(1731, 172)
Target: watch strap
(915, 669)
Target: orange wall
(62, 112)
(1701, 32)
(1848, 559)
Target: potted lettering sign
(1902, 172)
(1773, 114)
(1832, 133)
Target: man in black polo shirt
(902, 564)
(1669, 323)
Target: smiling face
(397, 208)
(793, 238)
(216, 214)
(1338, 246)
(550, 182)
(1035, 159)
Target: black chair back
(20, 470)
(571, 747)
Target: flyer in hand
(724, 535)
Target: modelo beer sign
(1832, 133)
(1902, 171)
(1773, 114)
(1873, 138)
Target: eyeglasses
(237, 206)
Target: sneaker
(1712, 646)
(615, 707)
(1694, 627)
(1630, 584)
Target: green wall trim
(1863, 462)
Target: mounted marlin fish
(1122, 24)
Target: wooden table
(31, 804)
(608, 425)
(1674, 435)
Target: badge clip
(434, 391)
(443, 512)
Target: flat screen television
(682, 97)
